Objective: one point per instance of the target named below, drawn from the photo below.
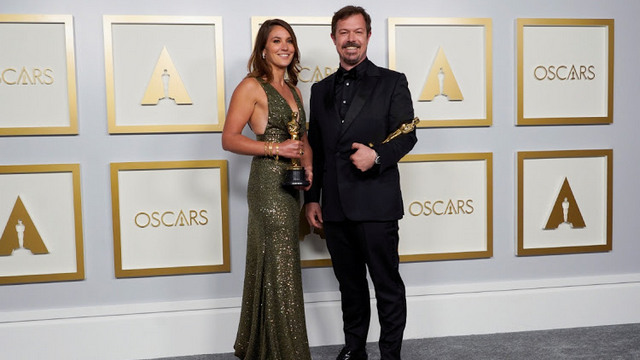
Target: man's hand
(313, 213)
(364, 157)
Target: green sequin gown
(272, 323)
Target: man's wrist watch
(377, 159)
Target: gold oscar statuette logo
(20, 233)
(441, 82)
(165, 83)
(565, 211)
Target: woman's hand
(292, 149)
(308, 174)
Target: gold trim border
(316, 263)
(110, 20)
(256, 21)
(72, 129)
(527, 155)
(521, 23)
(170, 165)
(74, 169)
(484, 22)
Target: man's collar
(353, 73)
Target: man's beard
(353, 61)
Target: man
(357, 106)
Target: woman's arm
(242, 109)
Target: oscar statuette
(295, 175)
(403, 129)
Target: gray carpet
(616, 342)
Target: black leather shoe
(346, 354)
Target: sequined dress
(272, 324)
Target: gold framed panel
(164, 74)
(45, 102)
(147, 217)
(41, 237)
(318, 53)
(450, 73)
(564, 201)
(453, 217)
(565, 71)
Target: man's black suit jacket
(382, 102)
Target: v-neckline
(285, 99)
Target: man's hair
(258, 67)
(348, 11)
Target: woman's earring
(263, 56)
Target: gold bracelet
(270, 149)
(277, 151)
(266, 144)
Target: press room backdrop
(449, 288)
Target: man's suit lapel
(365, 87)
(330, 106)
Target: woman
(272, 324)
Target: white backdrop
(94, 149)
